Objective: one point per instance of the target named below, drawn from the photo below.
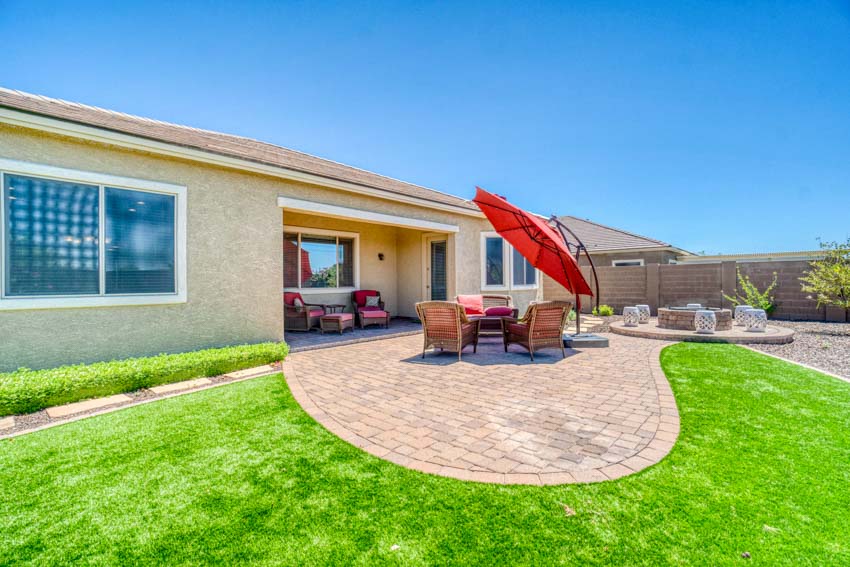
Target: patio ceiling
(336, 211)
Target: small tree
(750, 294)
(828, 280)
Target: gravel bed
(822, 345)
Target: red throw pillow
(473, 304)
(498, 311)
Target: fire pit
(682, 318)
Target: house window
(627, 262)
(524, 273)
(494, 261)
(316, 259)
(500, 260)
(78, 239)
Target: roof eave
(64, 127)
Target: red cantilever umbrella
(532, 237)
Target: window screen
(51, 237)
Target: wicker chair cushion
(361, 295)
(498, 311)
(340, 316)
(289, 298)
(316, 312)
(372, 313)
(473, 304)
(369, 308)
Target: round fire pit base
(682, 319)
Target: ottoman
(337, 322)
(374, 317)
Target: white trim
(101, 180)
(300, 230)
(507, 267)
(622, 263)
(335, 211)
(72, 129)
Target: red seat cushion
(473, 304)
(369, 308)
(498, 311)
(373, 314)
(290, 296)
(361, 295)
(340, 316)
(518, 329)
(317, 312)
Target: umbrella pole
(578, 314)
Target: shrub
(572, 315)
(603, 310)
(752, 296)
(828, 279)
(25, 391)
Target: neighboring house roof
(600, 238)
(758, 256)
(220, 144)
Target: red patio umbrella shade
(532, 237)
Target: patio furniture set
(369, 309)
(454, 325)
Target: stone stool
(755, 320)
(739, 314)
(705, 322)
(631, 316)
(643, 313)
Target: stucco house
(124, 236)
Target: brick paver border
(664, 438)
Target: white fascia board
(93, 133)
(335, 211)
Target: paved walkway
(599, 414)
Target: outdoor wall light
(381, 256)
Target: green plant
(750, 294)
(25, 391)
(572, 315)
(603, 310)
(828, 280)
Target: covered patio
(330, 251)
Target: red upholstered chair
(370, 314)
(542, 326)
(300, 317)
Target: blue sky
(718, 127)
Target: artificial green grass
(26, 391)
(241, 474)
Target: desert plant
(572, 315)
(828, 280)
(24, 390)
(750, 294)
(603, 310)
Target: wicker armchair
(446, 327)
(369, 314)
(300, 317)
(542, 326)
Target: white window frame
(507, 267)
(301, 230)
(626, 263)
(102, 180)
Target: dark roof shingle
(221, 144)
(598, 237)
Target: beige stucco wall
(235, 265)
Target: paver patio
(599, 414)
